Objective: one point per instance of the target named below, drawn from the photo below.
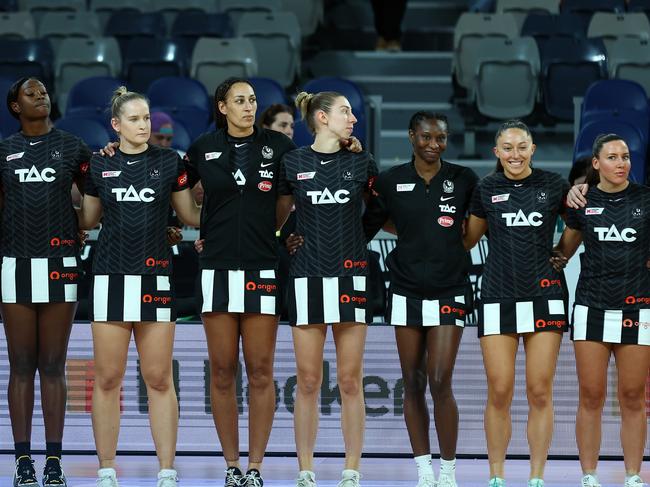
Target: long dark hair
(268, 116)
(220, 94)
(593, 176)
(509, 124)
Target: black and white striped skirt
(131, 298)
(499, 317)
(611, 325)
(240, 291)
(40, 280)
(328, 300)
(405, 311)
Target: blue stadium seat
(31, 57)
(93, 132)
(638, 6)
(586, 8)
(182, 139)
(268, 92)
(348, 89)
(183, 99)
(636, 142)
(190, 25)
(569, 66)
(147, 59)
(135, 25)
(542, 26)
(8, 124)
(8, 5)
(91, 98)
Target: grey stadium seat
(629, 58)
(309, 14)
(17, 25)
(214, 60)
(607, 24)
(56, 26)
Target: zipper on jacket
(239, 224)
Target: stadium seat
(268, 92)
(549, 6)
(37, 8)
(57, 26)
(8, 5)
(21, 57)
(277, 40)
(190, 26)
(8, 124)
(214, 60)
(240, 6)
(171, 8)
(105, 8)
(183, 99)
(348, 89)
(629, 58)
(135, 25)
(586, 8)
(91, 98)
(309, 14)
(83, 58)
(506, 84)
(148, 59)
(638, 6)
(91, 131)
(17, 25)
(606, 24)
(181, 139)
(569, 66)
(542, 26)
(471, 29)
(636, 142)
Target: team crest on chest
(267, 152)
(448, 186)
(541, 196)
(154, 173)
(637, 213)
(55, 154)
(347, 175)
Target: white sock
(349, 473)
(106, 472)
(425, 468)
(448, 467)
(167, 472)
(306, 473)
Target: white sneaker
(497, 482)
(349, 478)
(167, 477)
(535, 483)
(107, 477)
(306, 478)
(634, 481)
(446, 481)
(590, 480)
(427, 481)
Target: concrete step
(427, 89)
(380, 63)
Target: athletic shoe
(350, 478)
(167, 477)
(25, 475)
(427, 481)
(590, 480)
(306, 479)
(497, 482)
(107, 477)
(53, 475)
(234, 477)
(253, 478)
(536, 483)
(446, 481)
(634, 481)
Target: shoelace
(53, 475)
(305, 483)
(445, 481)
(252, 480)
(589, 481)
(169, 477)
(427, 481)
(231, 479)
(106, 481)
(496, 482)
(25, 472)
(635, 481)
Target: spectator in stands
(278, 117)
(162, 129)
(388, 23)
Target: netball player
(278, 117)
(521, 293)
(238, 165)
(327, 284)
(40, 270)
(430, 293)
(612, 305)
(131, 291)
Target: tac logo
(550, 323)
(269, 288)
(145, 195)
(33, 175)
(266, 174)
(520, 219)
(326, 197)
(447, 208)
(612, 234)
(151, 262)
(550, 282)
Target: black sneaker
(53, 475)
(234, 477)
(25, 475)
(253, 478)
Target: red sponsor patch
(445, 221)
(182, 179)
(265, 186)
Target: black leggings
(37, 339)
(388, 18)
(428, 355)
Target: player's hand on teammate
(109, 149)
(174, 236)
(293, 243)
(83, 236)
(198, 245)
(575, 198)
(558, 260)
(352, 144)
